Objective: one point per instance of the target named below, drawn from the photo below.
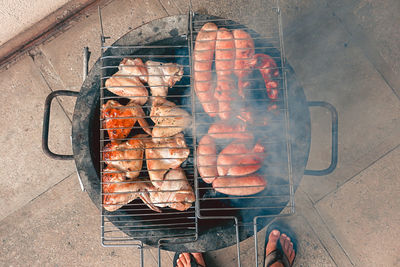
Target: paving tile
(61, 228)
(52, 80)
(65, 52)
(171, 7)
(26, 172)
(306, 209)
(253, 13)
(364, 213)
(374, 18)
(311, 252)
(331, 68)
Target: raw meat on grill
(167, 153)
(168, 118)
(128, 81)
(161, 76)
(126, 156)
(119, 119)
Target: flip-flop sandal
(193, 262)
(278, 255)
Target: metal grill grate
(277, 199)
(134, 224)
(138, 222)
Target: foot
(184, 259)
(286, 244)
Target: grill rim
(85, 110)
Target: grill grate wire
(182, 226)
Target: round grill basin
(213, 234)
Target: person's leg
(286, 244)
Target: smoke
(268, 128)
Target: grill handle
(46, 122)
(334, 155)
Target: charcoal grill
(215, 220)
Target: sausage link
(240, 186)
(207, 159)
(203, 57)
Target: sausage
(203, 58)
(224, 63)
(224, 53)
(237, 160)
(268, 69)
(207, 159)
(225, 130)
(240, 186)
(244, 61)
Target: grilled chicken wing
(128, 81)
(118, 191)
(168, 119)
(119, 119)
(161, 76)
(167, 154)
(175, 191)
(126, 156)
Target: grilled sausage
(224, 63)
(207, 159)
(225, 130)
(240, 186)
(268, 69)
(237, 160)
(203, 58)
(244, 61)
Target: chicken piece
(128, 81)
(224, 64)
(126, 156)
(168, 119)
(202, 64)
(237, 159)
(118, 191)
(244, 58)
(170, 153)
(174, 192)
(119, 119)
(161, 76)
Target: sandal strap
(193, 262)
(276, 256)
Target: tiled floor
(343, 52)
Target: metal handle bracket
(334, 155)
(46, 122)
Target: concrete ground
(344, 52)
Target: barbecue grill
(214, 220)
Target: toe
(272, 240)
(179, 262)
(182, 259)
(287, 244)
(292, 253)
(282, 240)
(186, 256)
